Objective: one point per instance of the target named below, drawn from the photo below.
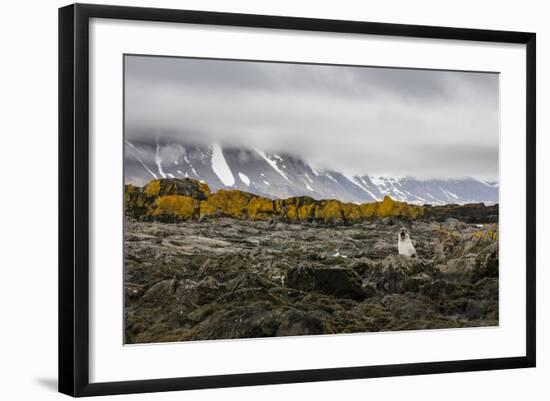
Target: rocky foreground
(221, 278)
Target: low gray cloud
(353, 119)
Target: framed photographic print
(251, 199)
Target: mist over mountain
(282, 175)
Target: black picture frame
(74, 201)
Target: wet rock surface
(229, 278)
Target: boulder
(408, 265)
(395, 274)
(295, 322)
(161, 292)
(364, 266)
(297, 208)
(172, 208)
(390, 208)
(486, 263)
(198, 292)
(338, 282)
(261, 208)
(460, 267)
(232, 203)
(440, 289)
(473, 213)
(253, 320)
(256, 320)
(330, 211)
(186, 186)
(135, 201)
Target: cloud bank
(360, 120)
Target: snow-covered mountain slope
(282, 176)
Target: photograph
(274, 198)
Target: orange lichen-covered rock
(178, 206)
(307, 212)
(186, 186)
(390, 208)
(187, 198)
(135, 201)
(152, 189)
(261, 208)
(490, 233)
(351, 211)
(228, 203)
(368, 210)
(330, 211)
(298, 208)
(135, 196)
(386, 208)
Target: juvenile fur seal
(404, 244)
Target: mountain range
(281, 175)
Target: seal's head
(403, 234)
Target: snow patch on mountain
(135, 153)
(330, 177)
(220, 167)
(449, 194)
(351, 179)
(272, 163)
(485, 182)
(363, 184)
(158, 162)
(379, 182)
(244, 178)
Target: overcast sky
(360, 120)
